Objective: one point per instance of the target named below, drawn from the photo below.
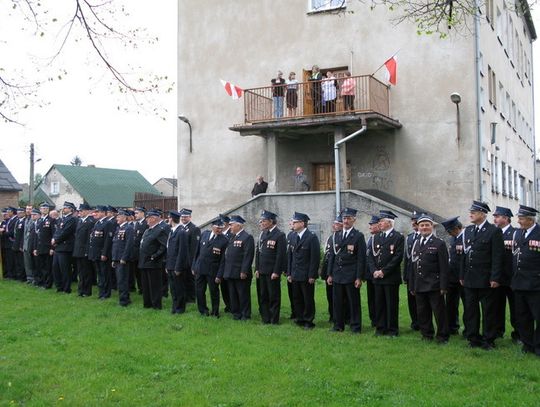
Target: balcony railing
(356, 94)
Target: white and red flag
(391, 67)
(232, 90)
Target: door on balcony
(338, 72)
(325, 177)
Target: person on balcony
(329, 92)
(278, 94)
(316, 92)
(348, 88)
(292, 95)
(260, 186)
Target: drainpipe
(478, 102)
(337, 163)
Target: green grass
(65, 350)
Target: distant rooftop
(7, 181)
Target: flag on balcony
(232, 90)
(391, 67)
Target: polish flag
(391, 67)
(232, 90)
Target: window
(55, 188)
(504, 179)
(493, 174)
(492, 83)
(516, 185)
(510, 183)
(482, 98)
(489, 11)
(522, 195)
(506, 106)
(530, 196)
(321, 5)
(513, 115)
(499, 25)
(496, 174)
(510, 37)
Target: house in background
(94, 186)
(9, 188)
(167, 186)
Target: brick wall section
(10, 198)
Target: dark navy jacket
(271, 253)
(239, 256)
(527, 261)
(347, 259)
(430, 266)
(64, 236)
(386, 254)
(303, 256)
(210, 256)
(122, 244)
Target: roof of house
(171, 181)
(105, 186)
(7, 181)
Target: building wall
(165, 187)
(425, 162)
(9, 198)
(65, 190)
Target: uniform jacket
(44, 234)
(526, 264)
(29, 227)
(455, 259)
(9, 233)
(82, 236)
(327, 247)
(64, 236)
(508, 238)
(429, 266)
(483, 256)
(386, 254)
(19, 235)
(407, 263)
(368, 273)
(271, 253)
(122, 244)
(210, 256)
(177, 251)
(347, 258)
(304, 256)
(238, 256)
(153, 248)
(194, 235)
(139, 228)
(100, 240)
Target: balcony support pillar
(271, 162)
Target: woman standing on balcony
(316, 92)
(292, 95)
(278, 93)
(347, 91)
(329, 92)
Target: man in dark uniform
(333, 239)
(373, 225)
(428, 281)
(111, 218)
(270, 263)
(502, 218)
(224, 288)
(291, 238)
(481, 270)
(346, 267)
(455, 290)
(407, 269)
(526, 279)
(5, 218)
(9, 234)
(63, 242)
(208, 264)
(176, 263)
(29, 232)
(121, 253)
(385, 260)
(98, 251)
(85, 224)
(140, 226)
(237, 270)
(42, 248)
(302, 269)
(193, 235)
(17, 247)
(152, 250)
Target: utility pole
(31, 183)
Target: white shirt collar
(300, 234)
(504, 229)
(530, 230)
(387, 233)
(480, 226)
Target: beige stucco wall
(246, 41)
(66, 192)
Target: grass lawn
(65, 350)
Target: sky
(83, 117)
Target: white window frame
(327, 5)
(55, 188)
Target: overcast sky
(83, 119)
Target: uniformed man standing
(333, 240)
(302, 271)
(224, 288)
(481, 271)
(9, 234)
(140, 226)
(63, 242)
(18, 245)
(42, 248)
(526, 279)
(346, 267)
(176, 263)
(237, 270)
(428, 281)
(455, 290)
(374, 229)
(291, 238)
(502, 218)
(209, 262)
(152, 250)
(194, 235)
(29, 230)
(85, 224)
(121, 253)
(270, 263)
(407, 269)
(98, 251)
(385, 260)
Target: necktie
(297, 239)
(422, 242)
(344, 234)
(212, 236)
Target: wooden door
(325, 177)
(306, 89)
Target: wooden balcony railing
(316, 98)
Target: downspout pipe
(478, 101)
(337, 163)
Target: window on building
(506, 106)
(510, 45)
(55, 188)
(513, 115)
(493, 173)
(501, 93)
(530, 195)
(504, 179)
(492, 87)
(496, 175)
(499, 24)
(489, 11)
(320, 5)
(522, 193)
(516, 185)
(510, 182)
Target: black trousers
(178, 292)
(387, 308)
(43, 269)
(347, 297)
(62, 271)
(505, 293)
(20, 273)
(454, 294)
(201, 282)
(224, 287)
(269, 296)
(189, 281)
(291, 299)
(122, 282)
(134, 277)
(239, 294)
(152, 291)
(370, 290)
(84, 267)
(330, 300)
(103, 272)
(486, 299)
(304, 303)
(527, 306)
(431, 305)
(413, 313)
(9, 263)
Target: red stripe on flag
(391, 66)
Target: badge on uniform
(98, 233)
(237, 243)
(350, 248)
(391, 249)
(459, 249)
(508, 244)
(216, 250)
(270, 244)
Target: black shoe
(415, 327)
(427, 338)
(454, 331)
(336, 329)
(488, 346)
(442, 341)
(379, 333)
(474, 344)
